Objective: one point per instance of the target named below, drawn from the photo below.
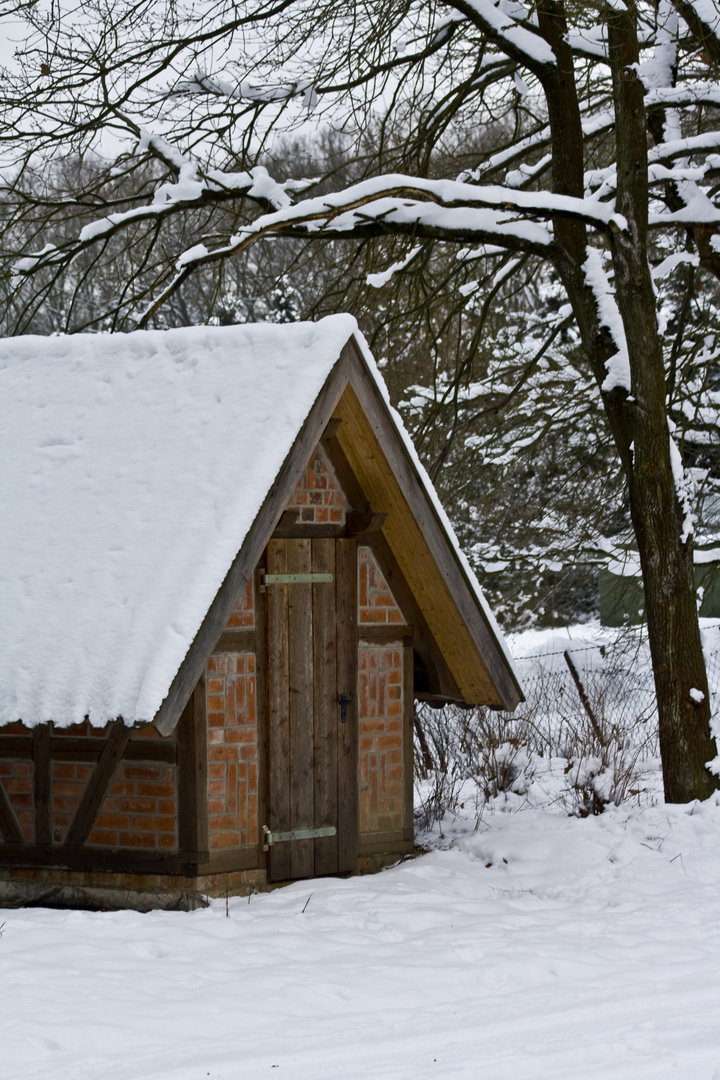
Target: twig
(583, 696)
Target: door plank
(278, 710)
(325, 707)
(346, 618)
(300, 632)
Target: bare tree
(605, 124)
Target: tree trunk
(663, 539)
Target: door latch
(344, 700)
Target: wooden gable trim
(252, 548)
(423, 639)
(418, 541)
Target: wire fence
(612, 685)
(593, 707)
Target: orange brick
(155, 823)
(103, 837)
(224, 839)
(159, 790)
(141, 772)
(223, 821)
(222, 753)
(112, 821)
(137, 840)
(67, 787)
(136, 806)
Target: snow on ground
(537, 946)
(525, 945)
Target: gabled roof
(140, 478)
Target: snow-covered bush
(584, 739)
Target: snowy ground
(538, 946)
(526, 945)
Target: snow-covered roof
(132, 467)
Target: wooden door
(311, 663)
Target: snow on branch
(392, 203)
(190, 190)
(510, 26)
(397, 203)
(244, 90)
(378, 280)
(618, 365)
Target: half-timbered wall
(82, 786)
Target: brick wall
(232, 750)
(380, 675)
(318, 495)
(376, 602)
(140, 809)
(381, 738)
(68, 781)
(243, 614)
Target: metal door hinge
(291, 579)
(270, 837)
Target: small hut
(225, 578)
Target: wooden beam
(347, 479)
(42, 783)
(98, 784)
(85, 748)
(192, 780)
(9, 827)
(235, 641)
(16, 746)
(288, 521)
(227, 862)
(360, 522)
(120, 860)
(331, 428)
(383, 633)
(408, 741)
(307, 530)
(247, 558)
